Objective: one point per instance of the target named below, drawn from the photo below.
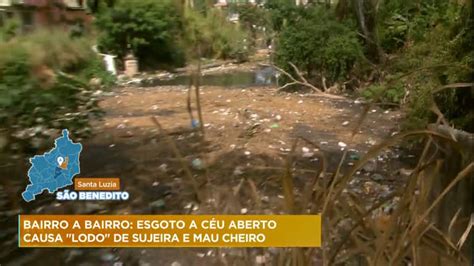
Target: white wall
(5, 2)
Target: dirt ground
(248, 135)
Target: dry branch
(302, 81)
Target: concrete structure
(131, 65)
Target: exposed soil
(248, 135)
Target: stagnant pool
(261, 77)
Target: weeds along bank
(395, 53)
(44, 79)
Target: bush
(254, 19)
(150, 29)
(281, 12)
(216, 36)
(441, 52)
(319, 45)
(9, 29)
(38, 94)
(391, 94)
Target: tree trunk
(366, 13)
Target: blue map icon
(54, 169)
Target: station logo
(57, 168)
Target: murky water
(237, 79)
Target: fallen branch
(302, 81)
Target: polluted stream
(249, 132)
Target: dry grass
(354, 233)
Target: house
(46, 13)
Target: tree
(147, 28)
(319, 45)
(365, 11)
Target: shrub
(146, 27)
(216, 36)
(38, 92)
(9, 29)
(387, 95)
(281, 12)
(254, 19)
(441, 54)
(319, 45)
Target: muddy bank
(248, 135)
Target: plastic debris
(275, 125)
(163, 167)
(260, 259)
(354, 157)
(197, 164)
(238, 171)
(157, 204)
(194, 123)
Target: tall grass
(396, 229)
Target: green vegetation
(145, 27)
(430, 47)
(319, 45)
(214, 37)
(162, 33)
(403, 51)
(43, 86)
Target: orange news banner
(169, 231)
